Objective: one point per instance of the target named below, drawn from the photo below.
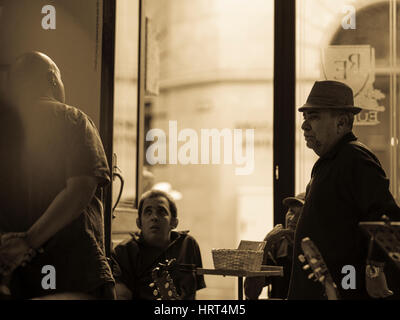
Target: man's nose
(154, 216)
(305, 126)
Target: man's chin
(310, 144)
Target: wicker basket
(234, 259)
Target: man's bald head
(34, 75)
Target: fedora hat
(333, 95)
(297, 200)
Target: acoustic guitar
(163, 284)
(313, 261)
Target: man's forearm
(65, 208)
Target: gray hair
(349, 116)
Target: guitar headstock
(313, 261)
(163, 284)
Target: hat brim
(352, 109)
(290, 201)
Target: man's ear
(341, 123)
(138, 223)
(174, 223)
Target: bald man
(60, 166)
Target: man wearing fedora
(348, 185)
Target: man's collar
(335, 149)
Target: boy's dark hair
(155, 194)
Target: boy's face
(156, 221)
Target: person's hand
(253, 287)
(14, 251)
(5, 237)
(276, 234)
(375, 280)
(10, 235)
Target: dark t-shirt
(348, 185)
(51, 143)
(134, 261)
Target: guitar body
(163, 284)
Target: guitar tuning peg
(169, 293)
(302, 259)
(158, 298)
(321, 279)
(314, 261)
(306, 267)
(166, 285)
(310, 276)
(317, 270)
(155, 293)
(151, 285)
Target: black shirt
(348, 185)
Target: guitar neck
(318, 267)
(331, 290)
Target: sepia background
(210, 64)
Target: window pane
(216, 72)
